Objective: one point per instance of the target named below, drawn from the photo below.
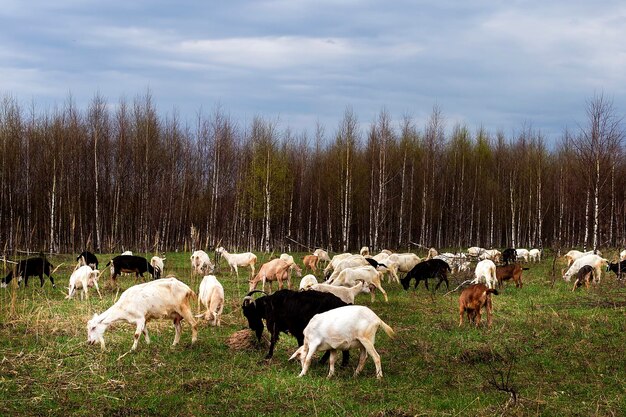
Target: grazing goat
(507, 272)
(509, 255)
(472, 300)
(618, 267)
(492, 254)
(235, 260)
(427, 269)
(350, 262)
(534, 255)
(286, 311)
(346, 295)
(87, 258)
(574, 254)
(83, 278)
(333, 262)
(307, 281)
(485, 272)
(457, 262)
(201, 263)
(584, 275)
(287, 258)
(432, 252)
(368, 274)
(595, 261)
(162, 299)
(401, 263)
(211, 295)
(365, 251)
(341, 329)
(622, 255)
(322, 255)
(475, 251)
(128, 264)
(29, 268)
(310, 262)
(523, 254)
(275, 270)
(157, 264)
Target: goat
(322, 255)
(164, 298)
(523, 254)
(127, 252)
(511, 271)
(365, 251)
(157, 264)
(475, 251)
(211, 295)
(341, 329)
(307, 281)
(28, 268)
(595, 261)
(286, 311)
(346, 295)
(128, 264)
(401, 263)
(574, 254)
(534, 255)
(87, 258)
(275, 270)
(485, 271)
(427, 269)
(509, 255)
(368, 274)
(333, 262)
(584, 275)
(235, 260)
(310, 262)
(622, 255)
(618, 267)
(201, 263)
(472, 300)
(492, 254)
(432, 252)
(350, 262)
(287, 258)
(83, 278)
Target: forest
(124, 175)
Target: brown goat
(274, 270)
(472, 299)
(510, 271)
(584, 275)
(310, 261)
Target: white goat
(523, 254)
(401, 262)
(350, 262)
(201, 263)
(574, 254)
(622, 255)
(238, 259)
(127, 252)
(475, 251)
(307, 281)
(485, 272)
(211, 295)
(157, 264)
(83, 278)
(368, 274)
(365, 251)
(322, 255)
(342, 328)
(333, 262)
(287, 258)
(595, 261)
(534, 255)
(346, 295)
(492, 254)
(160, 299)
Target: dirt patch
(246, 340)
(478, 356)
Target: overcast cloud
(501, 65)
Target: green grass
(564, 353)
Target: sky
(502, 65)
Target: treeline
(109, 178)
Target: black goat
(287, 311)
(583, 276)
(88, 258)
(28, 268)
(509, 255)
(128, 264)
(618, 267)
(428, 269)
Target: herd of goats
(321, 316)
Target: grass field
(558, 352)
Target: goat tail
(492, 291)
(387, 329)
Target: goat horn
(248, 299)
(253, 291)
